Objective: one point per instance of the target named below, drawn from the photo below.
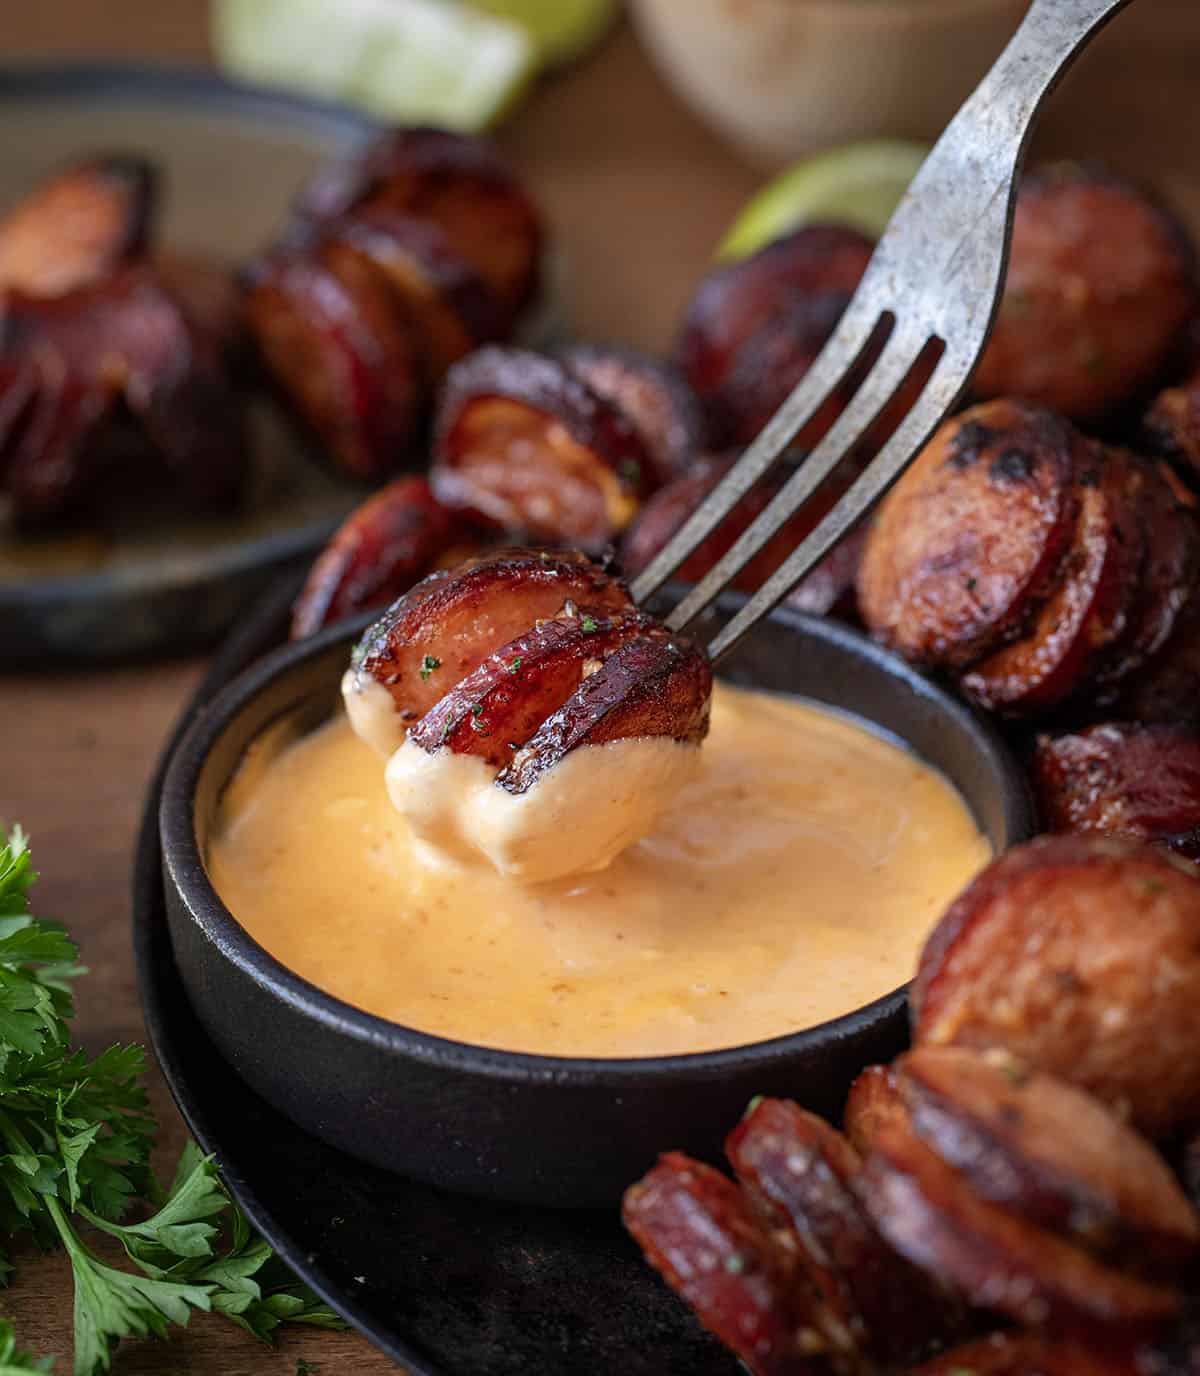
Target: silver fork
(935, 279)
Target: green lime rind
(405, 61)
(561, 30)
(859, 184)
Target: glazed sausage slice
(528, 446)
(378, 553)
(800, 1171)
(828, 588)
(452, 181)
(449, 306)
(656, 684)
(697, 1230)
(497, 708)
(873, 1097)
(453, 620)
(1050, 1153)
(754, 327)
(968, 541)
(1086, 619)
(1034, 1354)
(126, 340)
(345, 358)
(1171, 427)
(1100, 286)
(81, 225)
(1080, 956)
(655, 399)
(932, 1216)
(1123, 779)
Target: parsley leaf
(75, 1140)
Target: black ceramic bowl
(529, 1128)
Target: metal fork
(935, 280)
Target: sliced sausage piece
(126, 340)
(1166, 689)
(378, 553)
(1052, 1154)
(754, 327)
(527, 445)
(873, 1097)
(79, 226)
(1035, 1354)
(829, 588)
(657, 684)
(1100, 287)
(1171, 427)
(1080, 956)
(1171, 540)
(1085, 620)
(453, 620)
(346, 359)
(458, 183)
(800, 1171)
(448, 304)
(497, 708)
(656, 400)
(967, 543)
(1123, 779)
(697, 1230)
(932, 1216)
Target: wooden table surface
(637, 193)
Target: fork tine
(831, 365)
(941, 393)
(900, 353)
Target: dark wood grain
(638, 193)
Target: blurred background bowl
(779, 78)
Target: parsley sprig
(75, 1141)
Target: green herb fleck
(590, 625)
(631, 471)
(972, 584)
(428, 665)
(477, 710)
(753, 1104)
(515, 665)
(304, 1368)
(735, 1263)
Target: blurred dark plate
(445, 1284)
(158, 579)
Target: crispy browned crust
(448, 304)
(932, 1216)
(698, 1231)
(124, 341)
(1085, 622)
(345, 357)
(1101, 283)
(453, 181)
(494, 711)
(527, 445)
(968, 541)
(1171, 427)
(1052, 1154)
(1123, 779)
(799, 1173)
(1080, 956)
(657, 684)
(453, 620)
(754, 327)
(379, 551)
(830, 586)
(79, 226)
(654, 398)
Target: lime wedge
(562, 30)
(859, 185)
(408, 61)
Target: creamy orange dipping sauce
(794, 879)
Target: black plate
(135, 582)
(445, 1284)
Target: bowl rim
(186, 873)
